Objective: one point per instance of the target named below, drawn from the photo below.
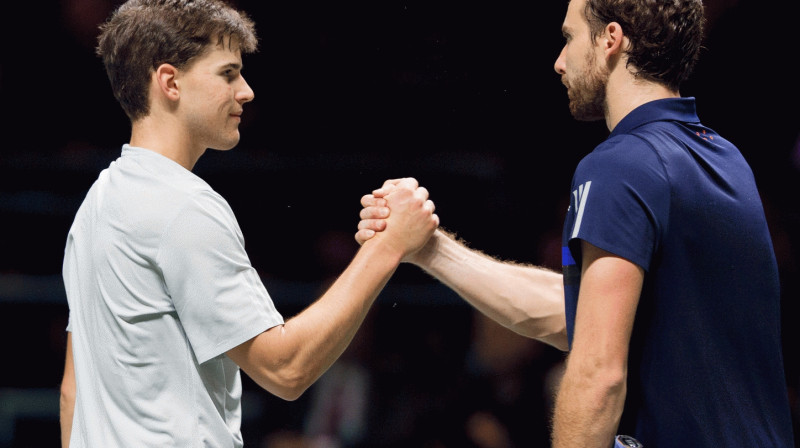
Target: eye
(231, 73)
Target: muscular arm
(287, 359)
(67, 404)
(526, 299)
(592, 392)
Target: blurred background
(460, 95)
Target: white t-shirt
(159, 288)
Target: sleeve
(218, 296)
(620, 200)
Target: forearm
(526, 299)
(592, 392)
(325, 330)
(291, 357)
(67, 400)
(66, 412)
(588, 407)
(287, 359)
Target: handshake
(400, 213)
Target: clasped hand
(401, 210)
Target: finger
(364, 235)
(393, 184)
(387, 187)
(384, 191)
(429, 205)
(374, 213)
(408, 183)
(389, 182)
(376, 225)
(421, 192)
(369, 201)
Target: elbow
(276, 364)
(291, 389)
(551, 329)
(604, 378)
(66, 411)
(67, 399)
(610, 390)
(541, 317)
(548, 326)
(287, 383)
(612, 381)
(291, 395)
(558, 340)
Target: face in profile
(578, 66)
(213, 93)
(587, 91)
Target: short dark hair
(140, 35)
(665, 35)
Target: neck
(625, 92)
(163, 135)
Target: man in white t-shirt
(165, 307)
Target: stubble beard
(587, 92)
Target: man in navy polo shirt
(669, 301)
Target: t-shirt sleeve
(621, 194)
(218, 296)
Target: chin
(585, 112)
(226, 145)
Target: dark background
(463, 97)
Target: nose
(244, 93)
(560, 65)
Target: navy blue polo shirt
(677, 199)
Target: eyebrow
(232, 65)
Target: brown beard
(587, 92)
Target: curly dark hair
(140, 35)
(665, 35)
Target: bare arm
(67, 404)
(287, 359)
(592, 392)
(526, 299)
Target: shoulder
(623, 157)
(202, 217)
(201, 208)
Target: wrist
(424, 257)
(383, 247)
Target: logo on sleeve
(581, 196)
(705, 136)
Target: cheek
(221, 98)
(218, 95)
(575, 58)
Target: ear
(166, 78)
(613, 39)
